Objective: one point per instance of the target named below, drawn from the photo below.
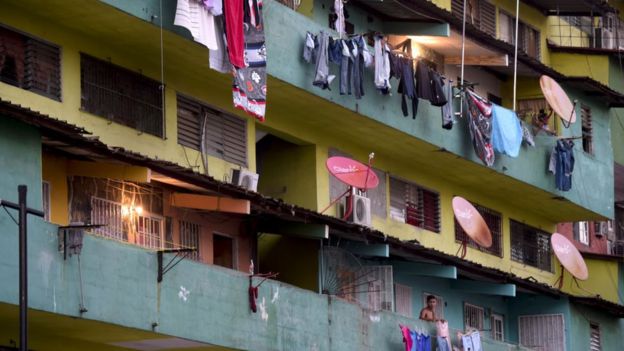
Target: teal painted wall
(581, 316)
(20, 161)
(617, 134)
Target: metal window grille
(439, 310)
(596, 32)
(149, 232)
(530, 246)
(414, 205)
(542, 332)
(108, 213)
(376, 293)
(189, 238)
(498, 327)
(473, 316)
(45, 196)
(224, 135)
(120, 95)
(494, 221)
(403, 299)
(529, 38)
(594, 340)
(30, 64)
(587, 129)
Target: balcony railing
(591, 32)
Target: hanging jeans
(564, 164)
(322, 78)
(443, 343)
(447, 109)
(407, 88)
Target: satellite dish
(472, 222)
(558, 100)
(569, 257)
(352, 173)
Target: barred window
(587, 129)
(542, 332)
(224, 135)
(473, 316)
(494, 222)
(530, 246)
(120, 95)
(414, 205)
(30, 64)
(189, 238)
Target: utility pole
(23, 211)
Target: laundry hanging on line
(506, 131)
(196, 17)
(478, 112)
(561, 164)
(414, 340)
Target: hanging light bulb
(138, 210)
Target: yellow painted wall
(603, 280)
(72, 43)
(582, 65)
(561, 33)
(54, 171)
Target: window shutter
(457, 7)
(594, 341)
(587, 128)
(542, 332)
(431, 210)
(398, 190)
(488, 17)
(235, 140)
(42, 69)
(403, 299)
(189, 123)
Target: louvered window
(120, 95)
(189, 238)
(403, 299)
(542, 332)
(530, 246)
(473, 316)
(225, 136)
(529, 39)
(594, 340)
(30, 64)
(480, 13)
(414, 205)
(587, 129)
(494, 222)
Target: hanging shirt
(340, 19)
(195, 17)
(506, 131)
(479, 113)
(249, 87)
(562, 164)
(467, 343)
(235, 38)
(382, 65)
(438, 98)
(407, 337)
(407, 89)
(447, 109)
(219, 60)
(423, 82)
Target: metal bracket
(180, 254)
(75, 240)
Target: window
(189, 238)
(581, 232)
(586, 129)
(30, 64)
(45, 196)
(108, 214)
(480, 13)
(414, 205)
(403, 299)
(498, 327)
(594, 338)
(439, 310)
(494, 222)
(529, 39)
(149, 231)
(530, 246)
(473, 316)
(224, 135)
(223, 251)
(542, 332)
(121, 95)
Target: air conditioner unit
(600, 229)
(361, 213)
(618, 248)
(245, 179)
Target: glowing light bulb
(138, 210)
(125, 210)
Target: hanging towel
(340, 18)
(479, 113)
(195, 17)
(235, 37)
(467, 343)
(506, 131)
(249, 87)
(476, 341)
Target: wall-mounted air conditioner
(361, 209)
(604, 39)
(245, 179)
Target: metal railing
(108, 213)
(594, 32)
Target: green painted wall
(581, 316)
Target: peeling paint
(183, 293)
(275, 295)
(263, 313)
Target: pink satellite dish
(569, 256)
(472, 222)
(352, 173)
(558, 100)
